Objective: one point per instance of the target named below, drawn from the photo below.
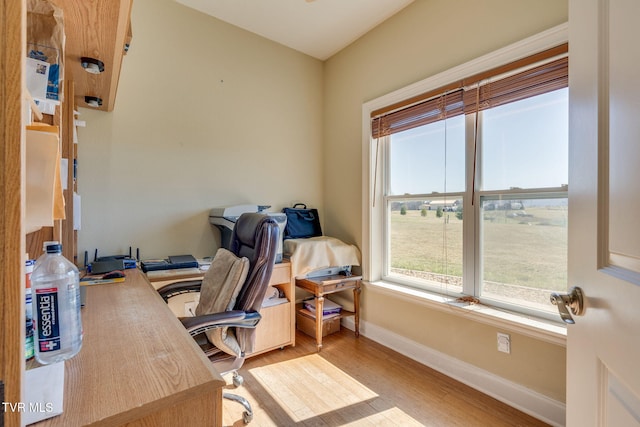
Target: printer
(225, 218)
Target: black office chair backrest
(255, 236)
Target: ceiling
(319, 28)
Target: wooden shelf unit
(326, 285)
(92, 40)
(12, 200)
(99, 30)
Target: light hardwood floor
(357, 382)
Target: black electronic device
(105, 264)
(171, 263)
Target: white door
(603, 347)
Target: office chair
(231, 295)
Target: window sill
(542, 329)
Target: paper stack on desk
(329, 308)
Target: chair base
(247, 415)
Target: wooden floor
(357, 382)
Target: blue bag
(301, 222)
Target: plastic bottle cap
(47, 243)
(54, 248)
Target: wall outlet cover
(504, 343)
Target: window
(468, 185)
(424, 195)
(523, 201)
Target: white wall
(206, 115)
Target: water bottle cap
(54, 248)
(47, 243)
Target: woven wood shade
(495, 87)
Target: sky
(524, 144)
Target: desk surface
(137, 364)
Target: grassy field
(524, 248)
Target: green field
(523, 248)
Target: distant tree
(403, 210)
(459, 212)
(423, 212)
(439, 212)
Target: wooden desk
(321, 286)
(137, 366)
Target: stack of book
(329, 308)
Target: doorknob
(574, 300)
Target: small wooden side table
(325, 285)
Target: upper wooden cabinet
(99, 29)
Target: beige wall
(206, 115)
(536, 365)
(428, 37)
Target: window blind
(535, 81)
(444, 106)
(511, 82)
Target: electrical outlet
(504, 343)
(190, 308)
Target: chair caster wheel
(247, 417)
(238, 380)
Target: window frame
(375, 230)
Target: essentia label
(48, 327)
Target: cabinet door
(277, 326)
(274, 329)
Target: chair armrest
(177, 288)
(233, 318)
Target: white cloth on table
(319, 252)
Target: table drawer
(345, 284)
(281, 273)
(328, 284)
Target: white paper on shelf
(41, 158)
(37, 77)
(44, 392)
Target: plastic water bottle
(55, 284)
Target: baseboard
(528, 401)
